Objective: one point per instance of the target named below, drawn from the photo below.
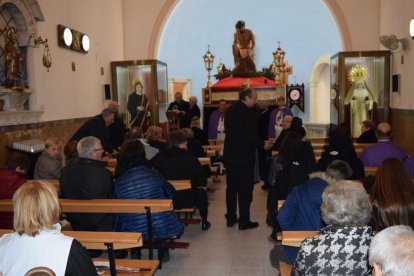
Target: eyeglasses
(101, 148)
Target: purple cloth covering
(409, 164)
(272, 120)
(213, 123)
(375, 154)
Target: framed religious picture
(362, 83)
(141, 89)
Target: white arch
(319, 91)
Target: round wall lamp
(85, 43)
(67, 37)
(412, 28)
(73, 40)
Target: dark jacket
(10, 181)
(194, 146)
(242, 139)
(87, 179)
(200, 135)
(353, 161)
(116, 132)
(302, 209)
(182, 106)
(95, 126)
(142, 183)
(367, 137)
(180, 164)
(192, 111)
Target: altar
(228, 89)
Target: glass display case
(141, 89)
(360, 88)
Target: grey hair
(339, 170)
(87, 145)
(193, 98)
(106, 112)
(345, 203)
(393, 249)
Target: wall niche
(17, 29)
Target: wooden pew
(180, 184)
(148, 267)
(285, 269)
(116, 206)
(295, 238)
(215, 141)
(370, 170)
(280, 203)
(111, 241)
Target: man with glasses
(87, 178)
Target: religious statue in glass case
(359, 98)
(360, 88)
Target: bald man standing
(374, 155)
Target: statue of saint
(243, 51)
(359, 97)
(139, 108)
(13, 59)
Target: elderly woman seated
(37, 240)
(341, 248)
(391, 251)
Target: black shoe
(230, 221)
(165, 256)
(249, 225)
(205, 225)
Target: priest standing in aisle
(240, 145)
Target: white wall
(139, 18)
(362, 20)
(395, 19)
(65, 94)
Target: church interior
(62, 62)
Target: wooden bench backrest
(295, 238)
(105, 205)
(180, 184)
(97, 240)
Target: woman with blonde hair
(392, 196)
(37, 240)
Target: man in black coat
(98, 127)
(181, 108)
(87, 178)
(241, 142)
(175, 162)
(117, 130)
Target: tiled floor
(222, 250)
